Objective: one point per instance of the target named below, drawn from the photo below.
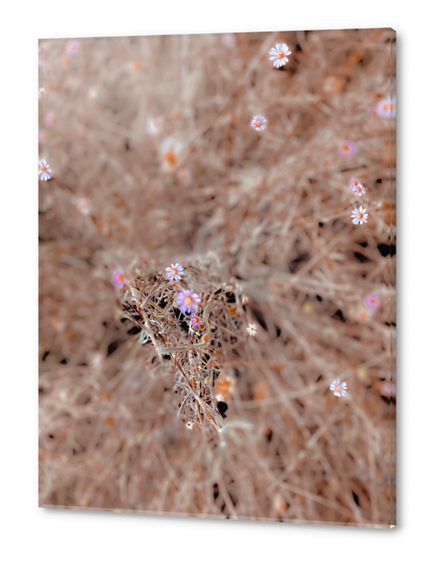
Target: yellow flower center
(44, 169)
(360, 215)
(258, 123)
(174, 271)
(346, 148)
(338, 388)
(355, 183)
(280, 55)
(188, 300)
(120, 277)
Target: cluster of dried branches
(196, 352)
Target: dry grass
(262, 213)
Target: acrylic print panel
(217, 276)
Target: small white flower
(279, 55)
(357, 187)
(44, 171)
(40, 92)
(359, 216)
(339, 388)
(154, 126)
(259, 122)
(189, 424)
(251, 330)
(174, 272)
(170, 152)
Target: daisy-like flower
(175, 272)
(387, 108)
(359, 216)
(119, 278)
(244, 298)
(195, 320)
(357, 187)
(170, 150)
(40, 92)
(72, 47)
(229, 39)
(154, 126)
(188, 301)
(251, 330)
(44, 171)
(348, 149)
(189, 424)
(372, 301)
(338, 388)
(259, 122)
(279, 55)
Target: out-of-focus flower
(195, 320)
(44, 171)
(175, 115)
(338, 388)
(49, 120)
(170, 150)
(175, 272)
(83, 205)
(388, 389)
(119, 278)
(387, 108)
(40, 92)
(244, 298)
(372, 301)
(188, 301)
(183, 174)
(259, 122)
(42, 136)
(348, 149)
(224, 386)
(251, 330)
(58, 324)
(72, 47)
(357, 187)
(189, 424)
(154, 125)
(97, 359)
(135, 65)
(372, 112)
(279, 55)
(359, 216)
(229, 39)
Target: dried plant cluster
(274, 181)
(195, 352)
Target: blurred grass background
(271, 209)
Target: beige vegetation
(266, 214)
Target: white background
(27, 532)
